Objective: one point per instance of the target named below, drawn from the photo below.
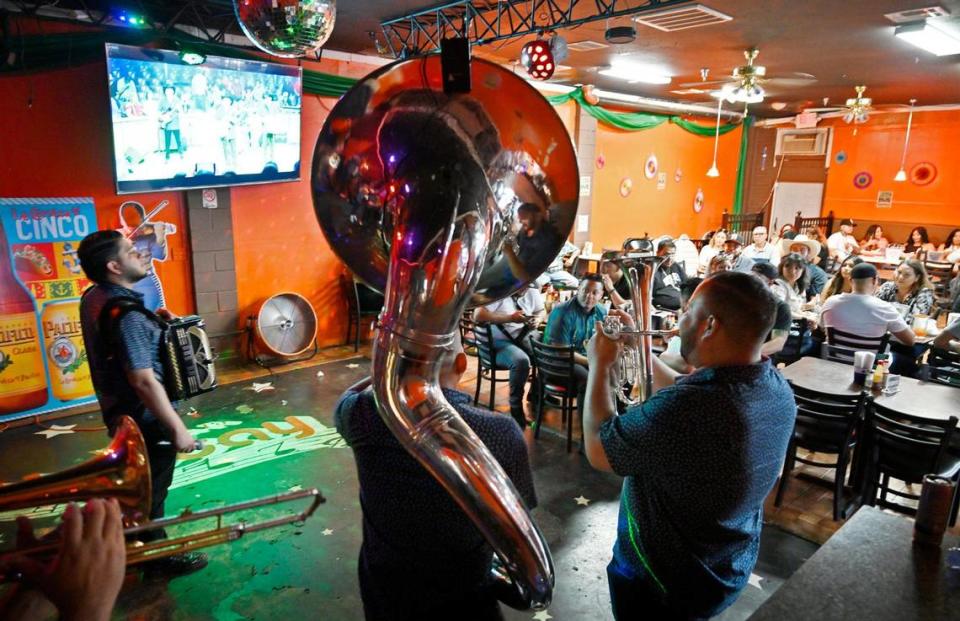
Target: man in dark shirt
(128, 378)
(421, 556)
(698, 457)
(668, 278)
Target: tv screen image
(223, 122)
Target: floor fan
(283, 330)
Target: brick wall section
(214, 272)
(586, 145)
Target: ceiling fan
(856, 110)
(747, 81)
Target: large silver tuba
(418, 192)
(633, 374)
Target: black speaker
(455, 63)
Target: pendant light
(902, 174)
(714, 171)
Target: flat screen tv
(221, 122)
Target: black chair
(907, 448)
(940, 275)
(555, 378)
(487, 361)
(841, 346)
(468, 336)
(942, 367)
(825, 424)
(793, 347)
(362, 301)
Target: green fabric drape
(637, 121)
(742, 166)
(34, 53)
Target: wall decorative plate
(862, 180)
(698, 201)
(601, 161)
(677, 176)
(923, 173)
(625, 186)
(651, 167)
(841, 157)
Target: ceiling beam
(483, 22)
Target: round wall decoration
(651, 167)
(923, 173)
(862, 180)
(625, 186)
(841, 157)
(601, 161)
(698, 201)
(677, 176)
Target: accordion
(187, 359)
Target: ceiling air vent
(916, 15)
(681, 18)
(586, 46)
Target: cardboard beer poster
(43, 361)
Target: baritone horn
(443, 201)
(122, 471)
(633, 373)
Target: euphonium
(417, 192)
(634, 370)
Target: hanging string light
(714, 171)
(902, 173)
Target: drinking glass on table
(920, 325)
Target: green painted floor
(281, 438)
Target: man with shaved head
(698, 457)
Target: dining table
(914, 397)
(871, 569)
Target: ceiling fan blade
(823, 109)
(789, 82)
(706, 84)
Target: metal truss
(482, 22)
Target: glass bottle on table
(23, 381)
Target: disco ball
(287, 28)
(537, 58)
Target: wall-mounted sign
(884, 199)
(662, 181)
(586, 182)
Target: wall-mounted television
(224, 121)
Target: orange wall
(647, 209)
(877, 149)
(55, 141)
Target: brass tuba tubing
(139, 552)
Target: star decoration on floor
(353, 365)
(259, 387)
(244, 409)
(583, 502)
(543, 615)
(327, 532)
(755, 581)
(55, 430)
(319, 373)
(283, 401)
(295, 488)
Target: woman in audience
(722, 262)
(794, 280)
(910, 291)
(712, 249)
(840, 283)
(918, 243)
(951, 247)
(786, 232)
(822, 258)
(912, 294)
(874, 244)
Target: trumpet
(122, 471)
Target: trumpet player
(698, 457)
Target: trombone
(121, 471)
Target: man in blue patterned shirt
(129, 379)
(572, 323)
(421, 556)
(698, 457)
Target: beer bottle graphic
(23, 383)
(66, 354)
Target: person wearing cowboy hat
(808, 249)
